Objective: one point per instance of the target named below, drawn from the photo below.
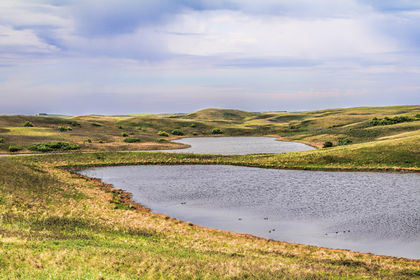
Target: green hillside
(107, 133)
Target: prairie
(56, 224)
(107, 133)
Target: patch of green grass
(31, 131)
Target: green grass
(55, 224)
(31, 131)
(313, 128)
(58, 225)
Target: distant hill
(220, 114)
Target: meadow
(56, 224)
(150, 132)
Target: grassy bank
(57, 225)
(386, 155)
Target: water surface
(361, 211)
(238, 145)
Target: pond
(238, 145)
(361, 211)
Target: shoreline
(137, 206)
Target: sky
(155, 56)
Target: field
(55, 224)
(109, 133)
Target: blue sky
(126, 56)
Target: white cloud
(234, 33)
(163, 55)
(22, 41)
(32, 13)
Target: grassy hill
(55, 224)
(107, 133)
(212, 114)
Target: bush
(73, 123)
(54, 146)
(41, 148)
(161, 140)
(388, 121)
(63, 129)
(96, 124)
(344, 141)
(28, 124)
(327, 144)
(216, 131)
(195, 133)
(89, 140)
(100, 141)
(177, 132)
(131, 140)
(1, 140)
(13, 148)
(163, 133)
(124, 134)
(193, 125)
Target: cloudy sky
(149, 56)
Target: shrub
(344, 141)
(388, 121)
(294, 126)
(193, 125)
(120, 127)
(28, 124)
(41, 148)
(95, 124)
(63, 128)
(216, 131)
(54, 146)
(163, 133)
(13, 148)
(131, 140)
(327, 144)
(1, 140)
(177, 132)
(195, 133)
(161, 140)
(124, 134)
(64, 146)
(100, 141)
(89, 140)
(73, 123)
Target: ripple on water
(362, 211)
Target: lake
(237, 145)
(361, 211)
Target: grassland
(55, 224)
(105, 133)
